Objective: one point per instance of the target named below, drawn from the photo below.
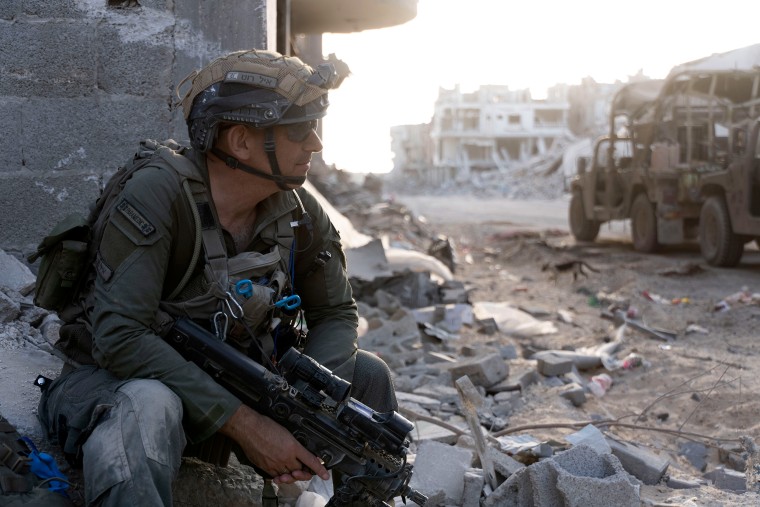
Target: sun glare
(397, 71)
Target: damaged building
(496, 130)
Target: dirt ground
(699, 386)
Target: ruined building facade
(496, 129)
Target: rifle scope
(295, 364)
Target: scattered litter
(633, 361)
(663, 300)
(512, 320)
(687, 269)
(600, 384)
(694, 328)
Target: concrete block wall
(83, 81)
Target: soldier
(129, 408)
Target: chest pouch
(257, 283)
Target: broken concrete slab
(430, 478)
(450, 317)
(590, 436)
(9, 309)
(575, 393)
(522, 374)
(400, 328)
(576, 477)
(727, 480)
(580, 360)
(483, 371)
(423, 401)
(415, 290)
(15, 275)
(473, 487)
(646, 466)
(504, 464)
(368, 261)
(550, 364)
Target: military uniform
(145, 250)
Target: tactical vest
(237, 295)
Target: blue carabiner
(289, 302)
(244, 288)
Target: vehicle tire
(719, 245)
(643, 225)
(581, 227)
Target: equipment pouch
(263, 281)
(64, 255)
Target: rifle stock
(368, 448)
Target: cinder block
(483, 371)
(728, 480)
(577, 477)
(642, 464)
(64, 63)
(11, 154)
(139, 57)
(431, 477)
(95, 131)
(20, 9)
(504, 465)
(551, 364)
(575, 393)
(33, 203)
(473, 487)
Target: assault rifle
(368, 448)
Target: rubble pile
(541, 176)
(463, 371)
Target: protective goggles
(299, 132)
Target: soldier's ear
(238, 141)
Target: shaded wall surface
(83, 81)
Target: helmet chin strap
(276, 175)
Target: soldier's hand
(272, 448)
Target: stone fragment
(642, 464)
(483, 371)
(432, 478)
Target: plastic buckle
(289, 302)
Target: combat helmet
(254, 87)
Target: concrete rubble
(412, 313)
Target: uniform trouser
(128, 434)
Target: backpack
(71, 247)
(69, 250)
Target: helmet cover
(257, 88)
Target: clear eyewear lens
(299, 132)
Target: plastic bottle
(600, 384)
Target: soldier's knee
(373, 383)
(153, 400)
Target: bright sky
(397, 71)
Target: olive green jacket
(145, 250)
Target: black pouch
(64, 257)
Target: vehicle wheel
(719, 245)
(581, 227)
(643, 225)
